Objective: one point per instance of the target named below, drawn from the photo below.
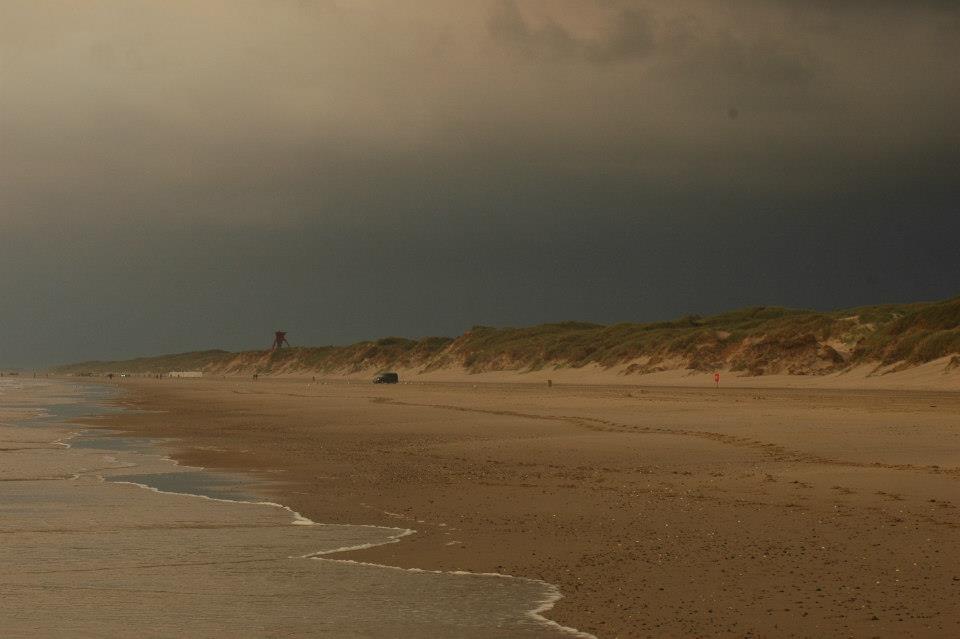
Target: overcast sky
(182, 175)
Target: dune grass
(757, 340)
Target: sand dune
(845, 346)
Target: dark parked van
(386, 378)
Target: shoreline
(159, 540)
(396, 535)
(422, 453)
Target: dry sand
(660, 512)
(935, 375)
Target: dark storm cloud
(628, 34)
(188, 175)
(674, 42)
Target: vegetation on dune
(914, 334)
(758, 340)
(192, 361)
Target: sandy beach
(659, 512)
(552, 223)
(107, 537)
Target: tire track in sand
(776, 452)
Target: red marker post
(716, 379)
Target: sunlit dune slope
(752, 341)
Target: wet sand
(89, 550)
(660, 512)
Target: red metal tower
(279, 339)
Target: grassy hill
(755, 341)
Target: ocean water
(104, 536)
